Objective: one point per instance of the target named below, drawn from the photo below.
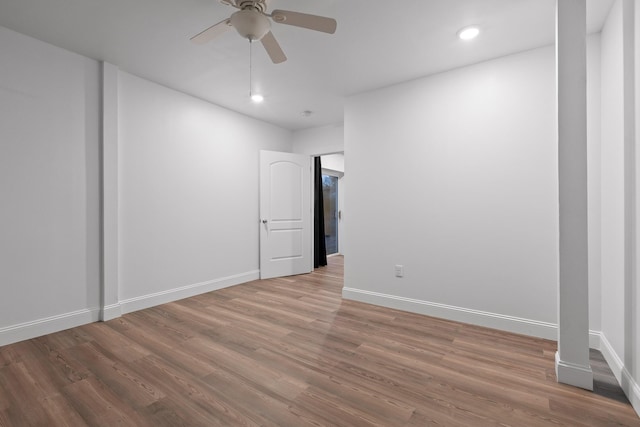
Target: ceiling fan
(252, 22)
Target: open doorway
(333, 197)
(331, 213)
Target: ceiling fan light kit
(251, 24)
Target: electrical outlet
(399, 270)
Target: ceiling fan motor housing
(251, 24)
(260, 5)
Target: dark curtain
(319, 246)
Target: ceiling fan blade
(212, 32)
(312, 22)
(273, 48)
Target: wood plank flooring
(290, 352)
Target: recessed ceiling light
(468, 33)
(257, 98)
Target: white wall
(620, 196)
(49, 188)
(320, 140)
(334, 162)
(467, 199)
(188, 193)
(635, 342)
(635, 291)
(613, 181)
(594, 105)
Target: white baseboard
(612, 358)
(111, 311)
(594, 339)
(48, 325)
(630, 387)
(573, 374)
(517, 325)
(151, 300)
(459, 314)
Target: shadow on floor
(604, 382)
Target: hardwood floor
(290, 352)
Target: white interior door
(285, 214)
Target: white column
(572, 358)
(110, 305)
(630, 195)
(632, 354)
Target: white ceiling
(378, 43)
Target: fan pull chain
(257, 98)
(250, 69)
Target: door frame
(312, 193)
(339, 175)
